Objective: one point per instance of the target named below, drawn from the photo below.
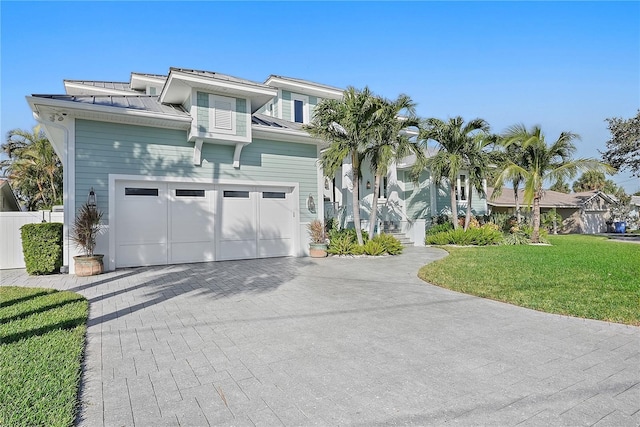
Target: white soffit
(305, 88)
(140, 81)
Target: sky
(566, 66)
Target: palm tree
(34, 169)
(453, 138)
(347, 125)
(390, 142)
(542, 163)
(479, 161)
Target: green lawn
(579, 275)
(41, 343)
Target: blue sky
(563, 65)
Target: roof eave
(81, 111)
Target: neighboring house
(585, 212)
(200, 166)
(8, 200)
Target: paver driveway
(297, 341)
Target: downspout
(65, 180)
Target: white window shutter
(223, 114)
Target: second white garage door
(167, 223)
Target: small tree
(623, 149)
(86, 227)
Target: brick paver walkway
(296, 341)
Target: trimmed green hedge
(42, 247)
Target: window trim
(305, 107)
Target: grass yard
(41, 343)
(579, 275)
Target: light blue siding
(286, 105)
(203, 112)
(241, 117)
(417, 196)
(103, 148)
(313, 101)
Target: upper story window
(222, 111)
(299, 108)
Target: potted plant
(83, 233)
(318, 243)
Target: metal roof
(268, 121)
(124, 86)
(135, 102)
(218, 76)
(159, 76)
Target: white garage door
(166, 223)
(255, 222)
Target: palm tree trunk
(454, 205)
(467, 219)
(356, 200)
(535, 235)
(515, 196)
(373, 218)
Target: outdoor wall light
(311, 204)
(92, 200)
(368, 185)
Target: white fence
(10, 240)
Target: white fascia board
(94, 90)
(140, 81)
(77, 109)
(304, 88)
(289, 135)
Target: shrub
(390, 244)
(481, 236)
(439, 228)
(341, 243)
(42, 247)
(373, 247)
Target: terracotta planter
(317, 250)
(88, 265)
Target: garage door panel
(192, 252)
(141, 254)
(275, 247)
(237, 249)
(141, 224)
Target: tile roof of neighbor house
(550, 198)
(635, 201)
(124, 86)
(135, 102)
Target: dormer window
(300, 108)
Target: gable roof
(550, 198)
